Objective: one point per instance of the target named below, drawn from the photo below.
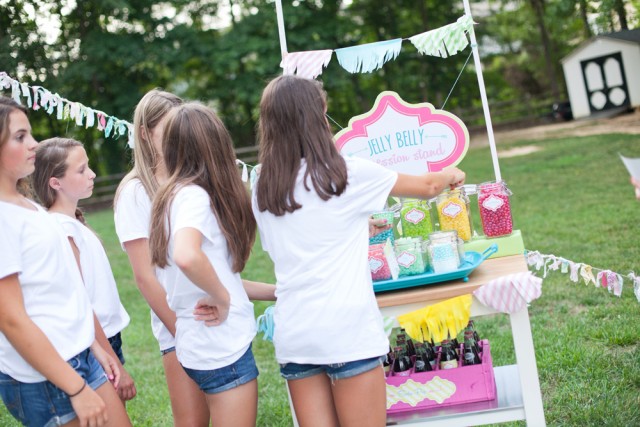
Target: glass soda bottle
(422, 361)
(471, 352)
(448, 356)
(402, 363)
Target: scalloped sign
(408, 138)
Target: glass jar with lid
(415, 218)
(443, 251)
(495, 209)
(410, 256)
(385, 234)
(453, 212)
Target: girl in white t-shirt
(62, 178)
(132, 212)
(52, 370)
(202, 232)
(311, 205)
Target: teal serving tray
(471, 261)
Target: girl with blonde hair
(132, 209)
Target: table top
(484, 273)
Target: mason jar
(443, 251)
(454, 213)
(495, 209)
(415, 218)
(410, 256)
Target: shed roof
(627, 36)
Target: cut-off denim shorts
(335, 371)
(218, 380)
(167, 351)
(116, 345)
(44, 404)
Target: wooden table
(518, 386)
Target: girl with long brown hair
(132, 215)
(311, 205)
(62, 178)
(52, 370)
(202, 232)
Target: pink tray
(440, 388)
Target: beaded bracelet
(79, 391)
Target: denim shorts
(116, 345)
(335, 371)
(218, 380)
(44, 404)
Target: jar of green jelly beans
(415, 218)
(410, 256)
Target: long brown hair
(153, 106)
(197, 149)
(8, 106)
(293, 126)
(51, 162)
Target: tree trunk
(582, 5)
(622, 14)
(538, 8)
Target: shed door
(605, 82)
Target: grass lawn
(571, 199)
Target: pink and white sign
(408, 138)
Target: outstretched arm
(428, 185)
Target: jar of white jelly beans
(495, 209)
(444, 256)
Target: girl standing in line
(52, 371)
(132, 209)
(61, 179)
(311, 205)
(202, 232)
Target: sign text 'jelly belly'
(408, 138)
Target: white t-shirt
(132, 216)
(35, 247)
(199, 346)
(326, 310)
(98, 278)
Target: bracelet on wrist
(84, 384)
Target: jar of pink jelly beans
(495, 209)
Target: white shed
(603, 73)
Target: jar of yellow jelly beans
(415, 218)
(453, 212)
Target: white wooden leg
(526, 359)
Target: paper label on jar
(452, 209)
(414, 216)
(492, 203)
(406, 259)
(375, 264)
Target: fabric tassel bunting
(307, 64)
(444, 41)
(368, 57)
(439, 321)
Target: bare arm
(428, 185)
(259, 290)
(34, 346)
(116, 373)
(147, 282)
(194, 263)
